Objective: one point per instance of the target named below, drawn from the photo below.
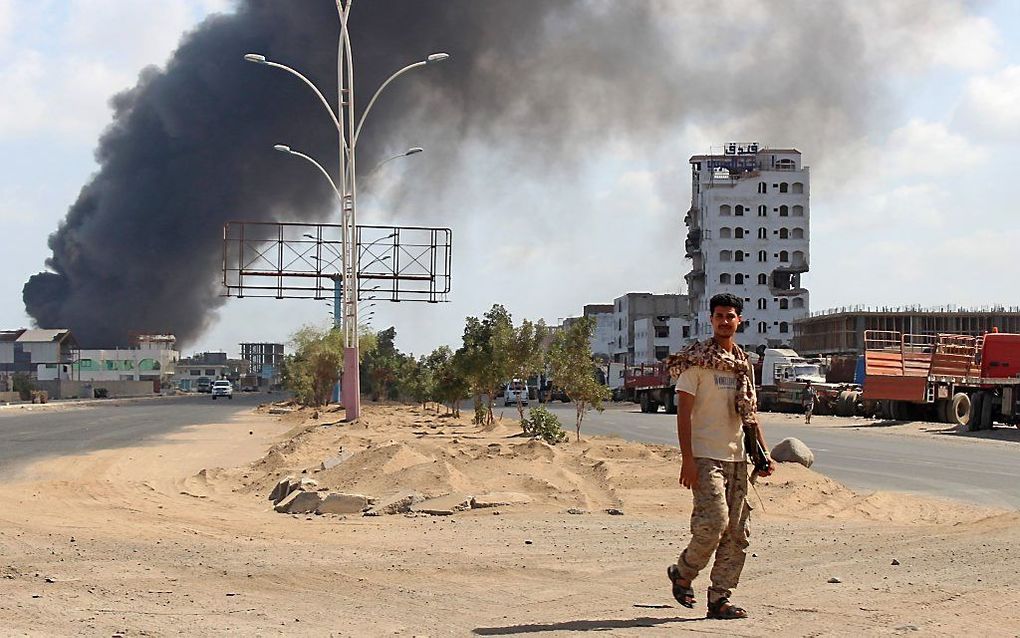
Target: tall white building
(748, 231)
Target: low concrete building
(209, 365)
(153, 360)
(841, 330)
(34, 352)
(635, 306)
(655, 339)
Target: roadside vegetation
(493, 352)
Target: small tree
(524, 353)
(450, 384)
(573, 369)
(317, 362)
(483, 357)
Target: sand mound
(402, 448)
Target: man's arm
(688, 470)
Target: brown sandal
(683, 595)
(722, 609)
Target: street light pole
(348, 131)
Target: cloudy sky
(911, 193)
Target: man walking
(716, 402)
(810, 394)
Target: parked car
(515, 389)
(222, 388)
(203, 384)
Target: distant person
(810, 395)
(716, 401)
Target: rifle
(756, 452)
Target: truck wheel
(670, 404)
(987, 403)
(960, 410)
(844, 406)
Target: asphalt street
(28, 434)
(861, 457)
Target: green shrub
(543, 424)
(23, 386)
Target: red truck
(651, 386)
(966, 380)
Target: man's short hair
(728, 300)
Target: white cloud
(913, 37)
(928, 149)
(62, 70)
(990, 107)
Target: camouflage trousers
(719, 523)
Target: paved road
(52, 430)
(973, 471)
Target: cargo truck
(966, 380)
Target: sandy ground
(179, 538)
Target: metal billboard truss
(289, 260)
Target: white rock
(299, 502)
(342, 504)
(791, 450)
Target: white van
(515, 389)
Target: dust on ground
(179, 539)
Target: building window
(724, 278)
(762, 327)
(784, 304)
(763, 304)
(738, 256)
(798, 210)
(724, 232)
(784, 211)
(763, 279)
(798, 302)
(797, 233)
(784, 233)
(763, 256)
(798, 258)
(784, 327)
(763, 233)
(738, 279)
(763, 211)
(784, 257)
(724, 210)
(725, 255)
(738, 233)
(661, 332)
(762, 188)
(738, 210)
(686, 333)
(784, 187)
(661, 352)
(798, 187)
(194, 372)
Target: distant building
(748, 234)
(209, 365)
(659, 310)
(655, 339)
(35, 352)
(154, 359)
(265, 362)
(841, 331)
(604, 335)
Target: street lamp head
(255, 57)
(413, 150)
(283, 148)
(436, 58)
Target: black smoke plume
(532, 81)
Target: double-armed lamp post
(348, 128)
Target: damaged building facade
(748, 234)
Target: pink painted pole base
(351, 385)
